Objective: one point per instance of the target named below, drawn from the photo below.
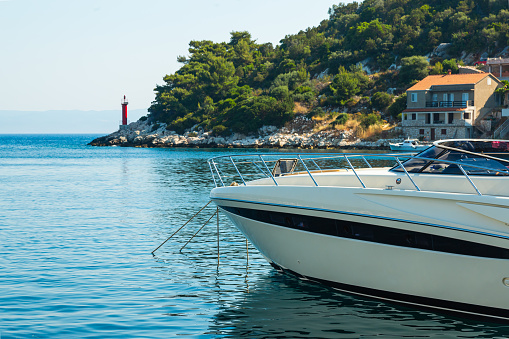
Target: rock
(441, 50)
(298, 133)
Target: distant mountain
(64, 121)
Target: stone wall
(452, 132)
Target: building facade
(449, 106)
(498, 67)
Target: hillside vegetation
(241, 85)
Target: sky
(85, 55)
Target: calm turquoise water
(77, 227)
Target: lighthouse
(124, 113)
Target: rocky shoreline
(146, 134)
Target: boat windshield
(475, 157)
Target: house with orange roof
(450, 106)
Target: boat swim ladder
(216, 213)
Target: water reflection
(285, 307)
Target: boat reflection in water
(279, 306)
(430, 231)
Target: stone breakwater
(145, 134)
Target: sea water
(77, 228)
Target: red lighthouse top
(124, 111)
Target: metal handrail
(214, 163)
(408, 175)
(466, 175)
(314, 162)
(354, 172)
(217, 171)
(268, 171)
(233, 162)
(213, 176)
(255, 163)
(500, 131)
(316, 184)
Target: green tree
(367, 120)
(344, 86)
(413, 68)
(452, 65)
(398, 106)
(438, 68)
(381, 100)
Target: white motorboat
(409, 145)
(429, 230)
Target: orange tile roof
(447, 79)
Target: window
(421, 131)
(444, 131)
(464, 97)
(414, 97)
(414, 116)
(466, 115)
(487, 166)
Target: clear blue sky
(86, 54)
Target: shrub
(398, 106)
(413, 68)
(280, 92)
(450, 64)
(381, 100)
(369, 120)
(181, 124)
(341, 119)
(220, 130)
(317, 111)
(308, 97)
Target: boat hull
(447, 281)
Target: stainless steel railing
(257, 166)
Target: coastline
(145, 134)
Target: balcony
(463, 103)
(504, 74)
